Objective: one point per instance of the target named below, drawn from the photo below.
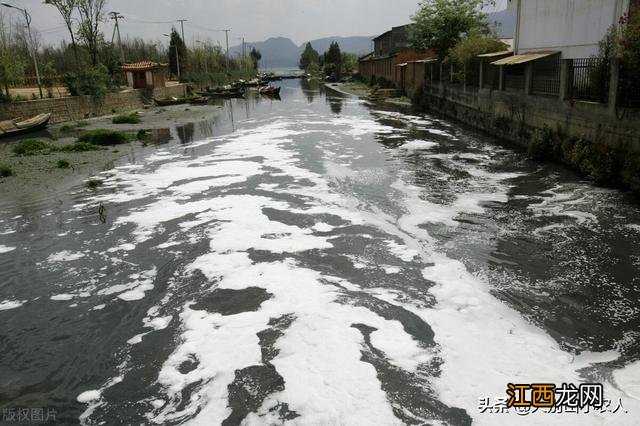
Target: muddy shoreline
(38, 175)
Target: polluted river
(320, 260)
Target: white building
(572, 27)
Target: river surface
(319, 260)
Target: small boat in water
(20, 127)
(223, 92)
(170, 101)
(269, 90)
(199, 100)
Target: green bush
(104, 137)
(95, 82)
(32, 147)
(63, 164)
(541, 144)
(132, 118)
(6, 171)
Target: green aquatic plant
(94, 183)
(132, 118)
(63, 164)
(32, 147)
(6, 171)
(104, 137)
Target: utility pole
(182, 21)
(226, 32)
(27, 18)
(115, 16)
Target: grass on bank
(68, 128)
(132, 118)
(93, 140)
(6, 171)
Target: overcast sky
(255, 20)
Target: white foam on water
(6, 249)
(11, 304)
(89, 396)
(62, 297)
(418, 145)
(323, 227)
(65, 256)
(391, 270)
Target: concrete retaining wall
(81, 107)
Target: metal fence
(514, 77)
(546, 76)
(491, 77)
(590, 79)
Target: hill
(281, 52)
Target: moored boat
(20, 127)
(170, 101)
(269, 90)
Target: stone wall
(599, 141)
(82, 107)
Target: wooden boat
(199, 100)
(269, 90)
(170, 101)
(226, 92)
(20, 127)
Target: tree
(333, 61)
(66, 9)
(470, 47)
(12, 67)
(255, 57)
(309, 56)
(91, 15)
(176, 45)
(440, 24)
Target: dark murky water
(318, 260)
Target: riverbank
(56, 172)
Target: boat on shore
(19, 127)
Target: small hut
(145, 75)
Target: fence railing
(589, 79)
(546, 76)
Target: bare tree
(91, 15)
(66, 9)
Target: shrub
(104, 137)
(132, 118)
(541, 144)
(63, 164)
(94, 82)
(32, 147)
(6, 171)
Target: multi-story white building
(572, 27)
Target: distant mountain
(504, 22)
(281, 52)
